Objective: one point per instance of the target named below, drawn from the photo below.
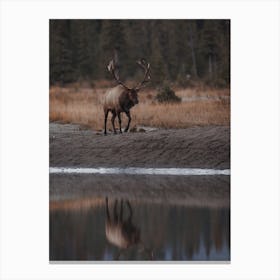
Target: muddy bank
(196, 147)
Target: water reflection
(120, 230)
(115, 229)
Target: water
(140, 171)
(165, 232)
(131, 214)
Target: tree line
(179, 51)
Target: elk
(121, 98)
(121, 231)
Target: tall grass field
(199, 107)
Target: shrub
(167, 95)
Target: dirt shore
(197, 147)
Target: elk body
(121, 98)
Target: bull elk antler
(146, 66)
(111, 69)
(142, 63)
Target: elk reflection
(120, 230)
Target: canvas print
(139, 140)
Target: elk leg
(129, 119)
(107, 210)
(130, 210)
(121, 213)
(113, 121)
(105, 121)
(120, 122)
(116, 211)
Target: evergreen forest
(179, 51)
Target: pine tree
(136, 42)
(159, 69)
(61, 63)
(83, 51)
(112, 44)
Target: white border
(255, 138)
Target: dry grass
(84, 106)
